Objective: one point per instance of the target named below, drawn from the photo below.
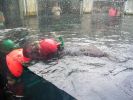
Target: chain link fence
(49, 14)
(59, 14)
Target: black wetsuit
(3, 72)
(6, 90)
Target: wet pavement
(89, 78)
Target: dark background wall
(11, 12)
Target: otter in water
(91, 51)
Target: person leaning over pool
(10, 69)
(43, 49)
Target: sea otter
(90, 50)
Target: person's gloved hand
(28, 64)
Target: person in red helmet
(11, 69)
(43, 49)
(14, 61)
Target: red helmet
(112, 12)
(14, 62)
(48, 46)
